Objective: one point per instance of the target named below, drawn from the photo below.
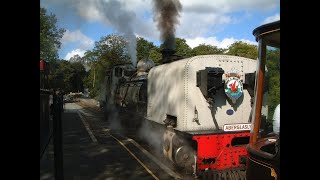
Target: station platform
(85, 159)
(90, 152)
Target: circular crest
(233, 88)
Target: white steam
(111, 112)
(151, 135)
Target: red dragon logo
(233, 87)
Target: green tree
(77, 79)
(68, 76)
(56, 75)
(273, 79)
(143, 48)
(156, 55)
(111, 48)
(75, 58)
(90, 56)
(50, 36)
(243, 49)
(204, 49)
(182, 48)
(108, 51)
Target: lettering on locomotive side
(237, 127)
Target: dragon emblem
(233, 87)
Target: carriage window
(118, 72)
(129, 73)
(271, 97)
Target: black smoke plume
(166, 13)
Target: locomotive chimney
(167, 55)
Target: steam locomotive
(200, 105)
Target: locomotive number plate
(237, 127)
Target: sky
(214, 22)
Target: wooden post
(259, 93)
(57, 136)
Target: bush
(93, 93)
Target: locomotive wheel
(184, 158)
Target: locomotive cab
(126, 87)
(264, 147)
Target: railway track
(139, 148)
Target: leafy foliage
(108, 51)
(50, 36)
(76, 58)
(67, 76)
(182, 48)
(204, 49)
(143, 48)
(273, 78)
(243, 49)
(155, 55)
